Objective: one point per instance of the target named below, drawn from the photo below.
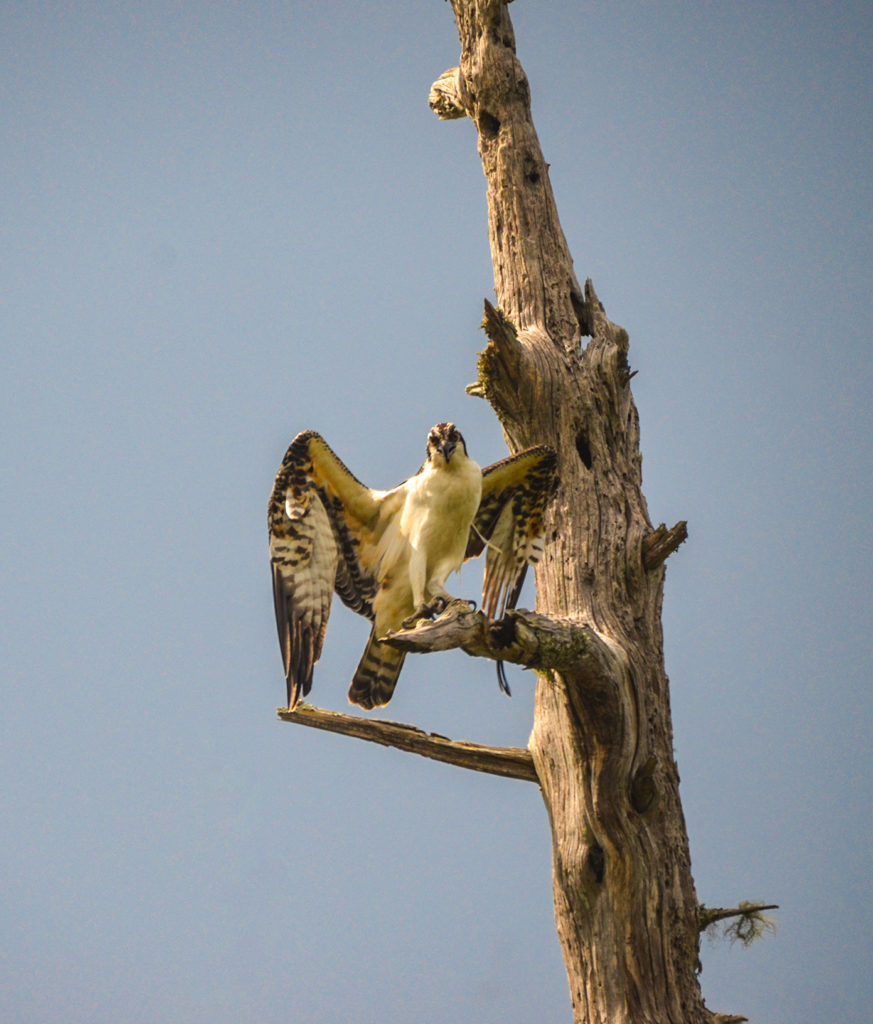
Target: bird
(388, 554)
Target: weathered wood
(510, 762)
(661, 543)
(520, 637)
(625, 905)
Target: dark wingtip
(502, 681)
(294, 691)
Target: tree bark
(602, 744)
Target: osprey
(388, 553)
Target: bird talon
(428, 610)
(423, 611)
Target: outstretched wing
(515, 495)
(317, 516)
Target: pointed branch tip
(661, 543)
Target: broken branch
(509, 762)
(750, 923)
(661, 543)
(520, 637)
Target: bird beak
(447, 449)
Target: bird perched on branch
(388, 553)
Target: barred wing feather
(318, 516)
(515, 495)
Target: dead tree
(555, 370)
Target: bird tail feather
(376, 675)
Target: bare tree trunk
(625, 905)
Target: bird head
(443, 440)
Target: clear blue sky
(223, 223)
